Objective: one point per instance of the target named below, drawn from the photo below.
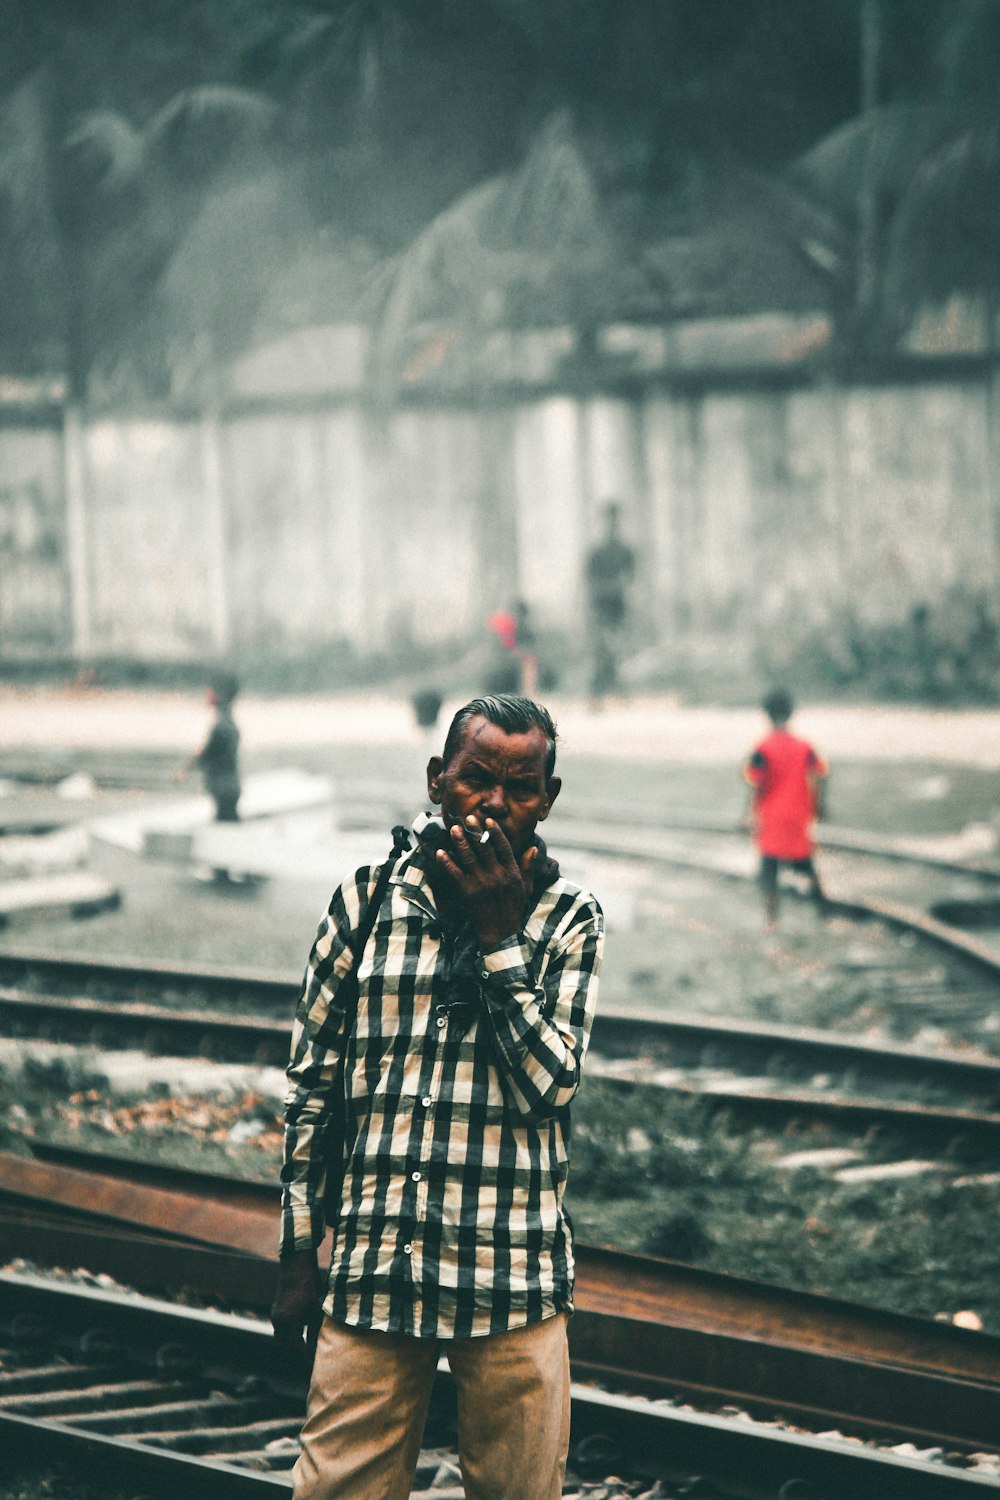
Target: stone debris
(732, 1083)
(671, 1078)
(612, 1067)
(910, 1450)
(79, 787)
(74, 1276)
(283, 1447)
(614, 1488)
(967, 1318)
(887, 1171)
(246, 1117)
(822, 1159)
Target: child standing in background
(785, 775)
(218, 758)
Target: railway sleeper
(224, 1443)
(40, 1377)
(79, 1401)
(224, 1410)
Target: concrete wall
(34, 588)
(755, 511)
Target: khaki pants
(369, 1398)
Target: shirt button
(407, 1249)
(414, 1176)
(426, 1101)
(439, 1022)
(484, 974)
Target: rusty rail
(139, 1389)
(187, 1032)
(642, 1323)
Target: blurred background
(330, 329)
(360, 356)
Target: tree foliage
(181, 177)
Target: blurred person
(503, 672)
(608, 574)
(785, 776)
(475, 995)
(526, 648)
(426, 703)
(515, 668)
(218, 758)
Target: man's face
(495, 775)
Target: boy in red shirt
(785, 774)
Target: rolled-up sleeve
(541, 1032)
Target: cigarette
(484, 836)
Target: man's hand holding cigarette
(493, 884)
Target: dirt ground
(651, 729)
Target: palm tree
(35, 305)
(139, 193)
(931, 170)
(559, 240)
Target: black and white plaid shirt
(452, 1222)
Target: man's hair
(509, 712)
(778, 706)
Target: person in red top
(786, 775)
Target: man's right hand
(297, 1311)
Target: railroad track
(176, 1399)
(765, 1072)
(642, 1324)
(52, 997)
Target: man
(785, 775)
(476, 996)
(610, 571)
(218, 758)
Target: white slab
(267, 794)
(49, 893)
(27, 854)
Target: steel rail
(952, 1126)
(276, 993)
(248, 1225)
(83, 1017)
(626, 844)
(380, 802)
(609, 1280)
(154, 1264)
(725, 1338)
(151, 977)
(827, 836)
(185, 1032)
(656, 1437)
(616, 1034)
